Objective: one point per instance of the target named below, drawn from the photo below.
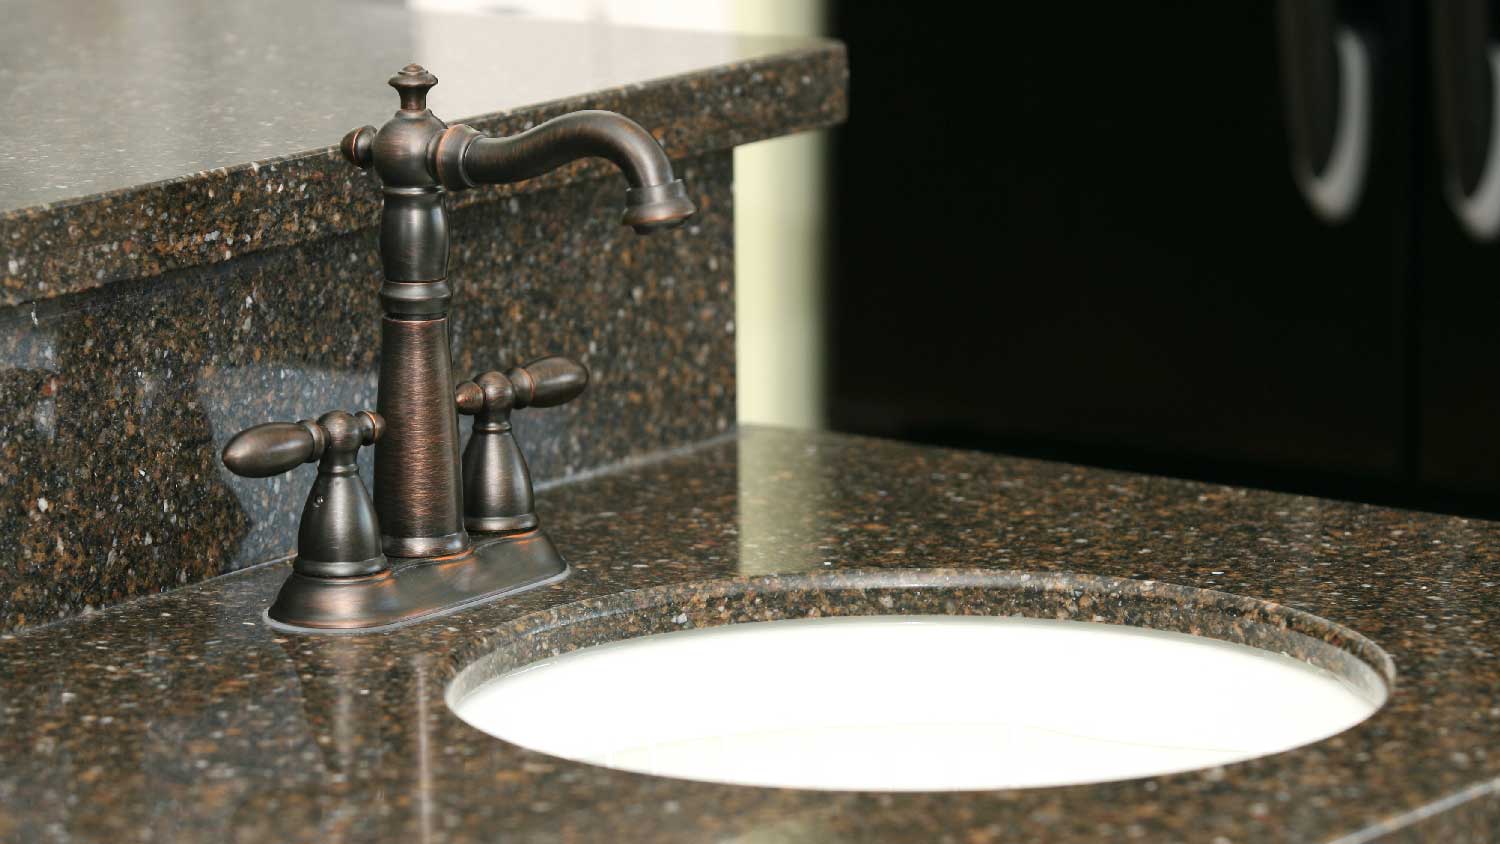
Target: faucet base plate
(419, 589)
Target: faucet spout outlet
(445, 527)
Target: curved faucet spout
(582, 134)
(463, 157)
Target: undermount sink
(918, 702)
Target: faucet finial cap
(412, 83)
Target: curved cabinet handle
(1315, 47)
(1466, 81)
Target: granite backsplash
(230, 277)
(117, 400)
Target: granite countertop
(142, 138)
(184, 253)
(184, 717)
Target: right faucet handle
(498, 496)
(547, 382)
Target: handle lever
(498, 495)
(339, 535)
(548, 382)
(273, 448)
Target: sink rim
(1149, 604)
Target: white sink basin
(917, 703)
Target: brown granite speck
(183, 717)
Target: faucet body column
(418, 487)
(418, 476)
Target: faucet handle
(548, 382)
(497, 483)
(545, 382)
(339, 535)
(275, 447)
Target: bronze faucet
(444, 529)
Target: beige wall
(779, 233)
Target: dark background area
(1074, 231)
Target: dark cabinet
(1458, 270)
(1197, 238)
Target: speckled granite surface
(116, 402)
(183, 718)
(162, 137)
(144, 326)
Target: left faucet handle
(275, 447)
(339, 535)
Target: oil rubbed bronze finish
(364, 565)
(497, 484)
(338, 536)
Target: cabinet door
(1079, 226)
(1459, 267)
